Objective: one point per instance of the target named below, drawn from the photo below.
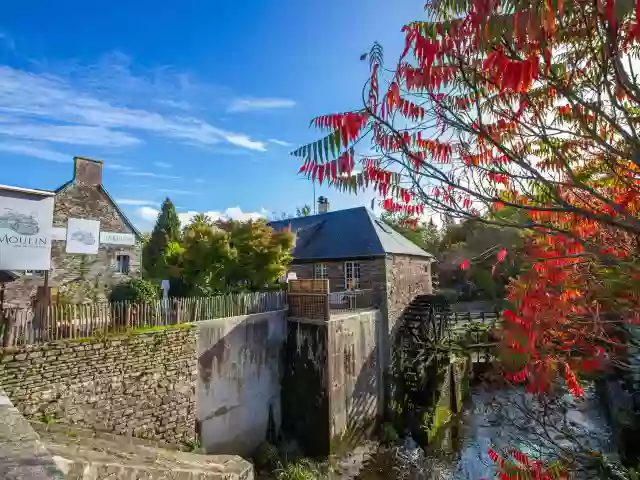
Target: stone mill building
(84, 277)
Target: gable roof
(350, 233)
(103, 190)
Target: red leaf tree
(527, 104)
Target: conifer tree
(166, 231)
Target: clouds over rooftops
(149, 214)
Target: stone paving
(55, 452)
(82, 454)
(22, 455)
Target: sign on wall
(83, 236)
(25, 231)
(112, 238)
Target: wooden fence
(24, 326)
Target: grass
(300, 470)
(128, 332)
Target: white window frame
(320, 271)
(33, 273)
(352, 275)
(119, 263)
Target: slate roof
(350, 233)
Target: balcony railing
(312, 299)
(351, 300)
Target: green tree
(166, 231)
(214, 257)
(262, 253)
(425, 234)
(303, 211)
(206, 258)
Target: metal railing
(312, 299)
(32, 325)
(351, 300)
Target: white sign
(58, 233)
(25, 231)
(83, 236)
(118, 238)
(292, 276)
(164, 285)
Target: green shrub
(266, 457)
(134, 291)
(301, 470)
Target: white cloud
(282, 143)
(244, 141)
(138, 173)
(117, 166)
(171, 191)
(35, 151)
(147, 213)
(134, 202)
(162, 164)
(66, 112)
(175, 104)
(247, 104)
(72, 134)
(234, 213)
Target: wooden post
(7, 339)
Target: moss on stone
(131, 332)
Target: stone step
(108, 456)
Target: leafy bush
(266, 457)
(134, 290)
(301, 470)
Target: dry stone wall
(142, 384)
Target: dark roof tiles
(350, 233)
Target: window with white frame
(351, 275)
(123, 263)
(33, 273)
(320, 271)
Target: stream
(499, 419)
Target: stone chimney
(87, 171)
(323, 205)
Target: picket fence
(33, 325)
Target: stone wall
(372, 273)
(332, 388)
(238, 384)
(142, 384)
(407, 277)
(82, 198)
(354, 368)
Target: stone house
(79, 276)
(337, 380)
(355, 250)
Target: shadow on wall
(357, 390)
(305, 396)
(238, 385)
(332, 381)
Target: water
(568, 428)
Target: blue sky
(201, 101)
